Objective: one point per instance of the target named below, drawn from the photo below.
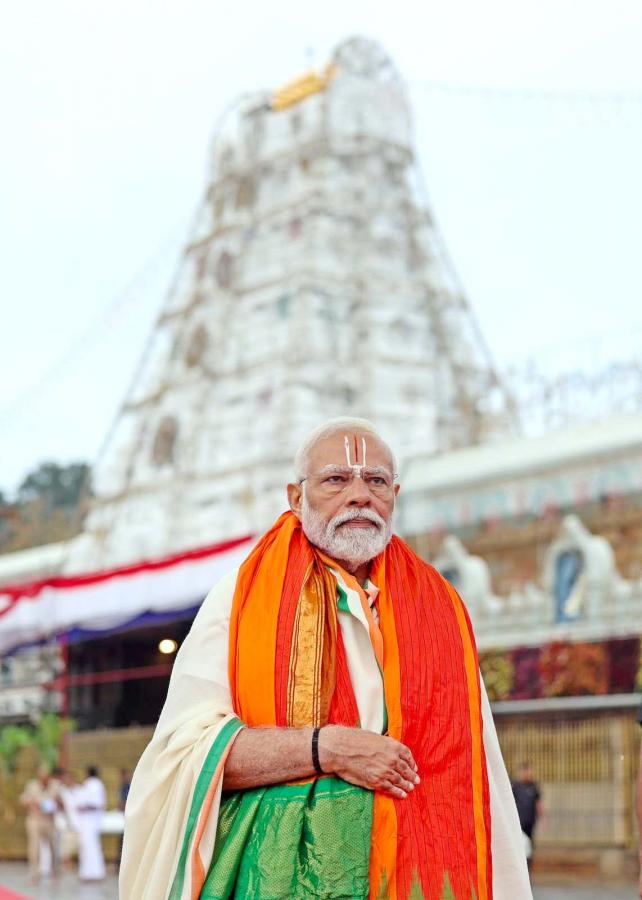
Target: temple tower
(315, 284)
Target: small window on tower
(165, 442)
(283, 306)
(245, 193)
(197, 346)
(224, 269)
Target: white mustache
(354, 545)
(351, 514)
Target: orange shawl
(287, 667)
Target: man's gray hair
(343, 423)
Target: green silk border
(203, 782)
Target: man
(638, 806)
(40, 799)
(528, 802)
(325, 732)
(67, 820)
(91, 802)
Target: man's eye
(378, 480)
(335, 479)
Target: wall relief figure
(568, 585)
(580, 574)
(469, 575)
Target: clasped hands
(368, 760)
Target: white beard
(352, 546)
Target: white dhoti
(91, 862)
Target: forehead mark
(364, 447)
(346, 444)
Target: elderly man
(326, 733)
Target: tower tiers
(315, 285)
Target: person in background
(123, 793)
(67, 820)
(40, 799)
(528, 801)
(91, 805)
(638, 805)
(123, 790)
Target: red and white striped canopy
(110, 598)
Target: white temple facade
(315, 285)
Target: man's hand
(273, 755)
(368, 760)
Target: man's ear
(295, 497)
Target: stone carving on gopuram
(579, 595)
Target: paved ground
(14, 877)
(586, 892)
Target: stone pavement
(14, 876)
(585, 892)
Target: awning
(102, 601)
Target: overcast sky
(107, 111)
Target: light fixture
(168, 645)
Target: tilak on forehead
(355, 464)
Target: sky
(528, 122)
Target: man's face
(346, 511)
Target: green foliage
(56, 485)
(12, 739)
(49, 506)
(47, 737)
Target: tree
(47, 737)
(12, 739)
(58, 486)
(49, 506)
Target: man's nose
(357, 493)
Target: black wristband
(315, 752)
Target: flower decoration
(624, 662)
(569, 670)
(497, 672)
(527, 683)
